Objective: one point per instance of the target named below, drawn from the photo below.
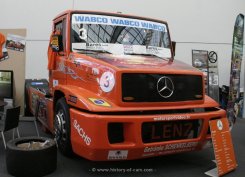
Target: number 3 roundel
(107, 81)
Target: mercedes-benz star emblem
(165, 87)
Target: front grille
(170, 130)
(138, 87)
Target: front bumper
(90, 139)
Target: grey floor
(191, 164)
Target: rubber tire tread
(67, 148)
(31, 163)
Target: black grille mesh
(138, 87)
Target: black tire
(31, 162)
(62, 130)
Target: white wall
(194, 24)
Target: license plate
(170, 130)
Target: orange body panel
(95, 102)
(94, 127)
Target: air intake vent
(115, 133)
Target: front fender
(80, 98)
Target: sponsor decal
(128, 48)
(96, 46)
(117, 21)
(72, 99)
(168, 147)
(55, 83)
(158, 51)
(95, 71)
(82, 133)
(107, 81)
(117, 154)
(166, 118)
(154, 149)
(67, 70)
(99, 102)
(92, 74)
(171, 130)
(82, 61)
(180, 145)
(61, 66)
(73, 74)
(77, 63)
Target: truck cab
(116, 92)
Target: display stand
(213, 172)
(223, 148)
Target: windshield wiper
(92, 51)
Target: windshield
(118, 35)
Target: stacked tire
(31, 162)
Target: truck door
(58, 75)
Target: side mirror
(56, 43)
(173, 46)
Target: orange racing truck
(115, 92)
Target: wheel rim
(59, 128)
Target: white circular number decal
(107, 81)
(83, 34)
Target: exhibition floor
(191, 164)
